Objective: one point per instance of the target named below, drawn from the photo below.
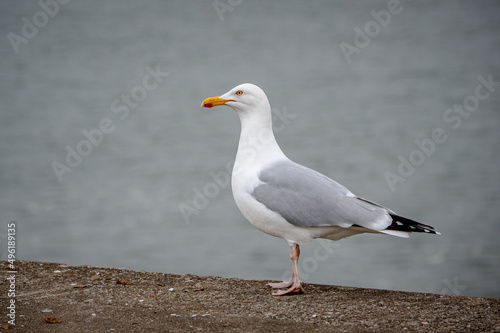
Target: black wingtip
(401, 223)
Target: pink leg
(294, 285)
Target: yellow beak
(214, 101)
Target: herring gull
(290, 201)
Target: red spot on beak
(208, 105)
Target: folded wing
(307, 198)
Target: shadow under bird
(290, 201)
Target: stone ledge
(101, 299)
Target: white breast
(264, 219)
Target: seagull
(290, 201)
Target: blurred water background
(351, 111)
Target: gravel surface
(53, 297)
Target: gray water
(353, 117)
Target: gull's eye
(239, 93)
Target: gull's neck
(257, 145)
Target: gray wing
(307, 198)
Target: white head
(244, 98)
